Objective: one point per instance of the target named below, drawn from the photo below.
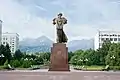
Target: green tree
(103, 51)
(26, 64)
(18, 54)
(113, 57)
(74, 60)
(2, 58)
(6, 52)
(15, 63)
(70, 55)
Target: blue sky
(33, 18)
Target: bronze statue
(60, 22)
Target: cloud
(17, 19)
(41, 8)
(33, 18)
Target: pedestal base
(59, 58)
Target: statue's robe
(61, 36)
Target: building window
(115, 39)
(111, 35)
(118, 39)
(12, 49)
(3, 38)
(102, 39)
(114, 35)
(105, 34)
(6, 38)
(118, 35)
(107, 39)
(3, 42)
(111, 39)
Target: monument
(59, 51)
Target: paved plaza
(45, 75)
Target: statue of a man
(60, 22)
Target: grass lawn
(89, 68)
(92, 68)
(2, 67)
(30, 68)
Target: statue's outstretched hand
(65, 20)
(54, 21)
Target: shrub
(6, 64)
(2, 67)
(15, 63)
(114, 67)
(26, 64)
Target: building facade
(12, 39)
(101, 36)
(0, 32)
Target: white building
(101, 36)
(0, 31)
(12, 39)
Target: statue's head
(60, 15)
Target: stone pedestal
(59, 58)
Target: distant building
(12, 39)
(0, 31)
(101, 36)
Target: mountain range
(44, 44)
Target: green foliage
(108, 54)
(113, 57)
(88, 57)
(103, 51)
(2, 67)
(26, 64)
(114, 67)
(18, 54)
(15, 63)
(5, 50)
(74, 60)
(70, 54)
(6, 64)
